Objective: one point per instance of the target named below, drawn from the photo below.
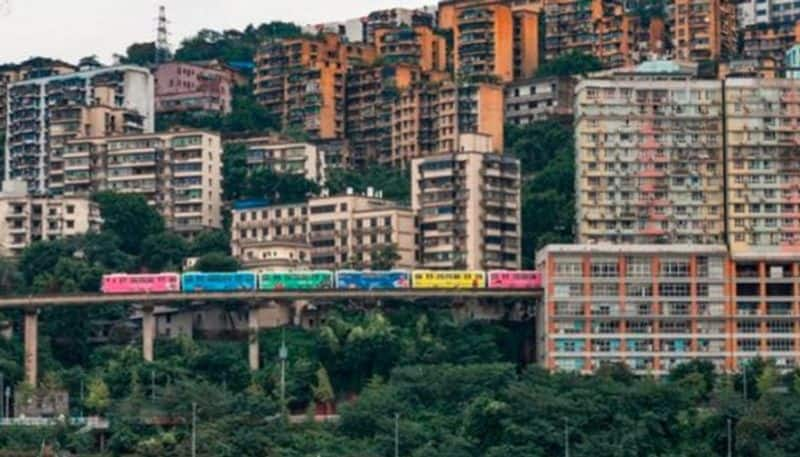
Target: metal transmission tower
(163, 52)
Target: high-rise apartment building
(467, 204)
(763, 176)
(33, 145)
(430, 118)
(304, 159)
(185, 87)
(25, 219)
(329, 232)
(395, 18)
(420, 46)
(752, 12)
(302, 81)
(178, 172)
(492, 38)
(537, 99)
(703, 29)
(649, 158)
(651, 307)
(770, 40)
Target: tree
(536, 144)
(130, 218)
(395, 184)
(234, 170)
(570, 63)
(216, 262)
(384, 258)
(210, 241)
(233, 45)
(279, 188)
(10, 277)
(164, 251)
(98, 398)
(143, 54)
(323, 391)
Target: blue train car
(371, 280)
(218, 282)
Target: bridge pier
(148, 332)
(254, 347)
(31, 346)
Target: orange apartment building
(703, 29)
(302, 81)
(492, 37)
(431, 117)
(420, 46)
(770, 40)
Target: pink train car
(141, 283)
(509, 279)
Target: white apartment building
(303, 159)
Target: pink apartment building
(185, 87)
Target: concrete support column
(254, 349)
(148, 333)
(31, 346)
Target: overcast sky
(71, 29)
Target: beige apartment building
(178, 172)
(649, 158)
(25, 219)
(468, 209)
(304, 159)
(329, 232)
(763, 174)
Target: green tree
(384, 258)
(130, 218)
(570, 63)
(233, 45)
(323, 391)
(98, 398)
(216, 262)
(395, 184)
(234, 170)
(143, 54)
(164, 252)
(210, 241)
(279, 188)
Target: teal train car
(296, 280)
(218, 282)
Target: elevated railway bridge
(290, 301)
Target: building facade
(329, 232)
(189, 88)
(304, 159)
(649, 158)
(420, 46)
(179, 173)
(531, 100)
(771, 40)
(468, 210)
(703, 29)
(25, 219)
(33, 103)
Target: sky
(71, 29)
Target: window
(605, 269)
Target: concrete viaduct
(254, 299)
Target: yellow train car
(428, 279)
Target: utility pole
(283, 354)
(566, 437)
(194, 429)
(396, 434)
(730, 437)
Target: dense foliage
(570, 63)
(395, 184)
(545, 150)
(233, 45)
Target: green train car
(295, 280)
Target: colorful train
(123, 283)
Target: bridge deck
(36, 301)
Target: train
(162, 283)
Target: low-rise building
(178, 172)
(191, 88)
(304, 159)
(467, 205)
(539, 99)
(329, 232)
(25, 219)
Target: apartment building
(396, 18)
(649, 157)
(763, 176)
(304, 159)
(431, 117)
(770, 40)
(752, 12)
(371, 92)
(190, 88)
(178, 172)
(651, 307)
(420, 46)
(33, 103)
(763, 67)
(25, 219)
(468, 210)
(791, 62)
(328, 232)
(538, 99)
(703, 29)
(302, 81)
(492, 38)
